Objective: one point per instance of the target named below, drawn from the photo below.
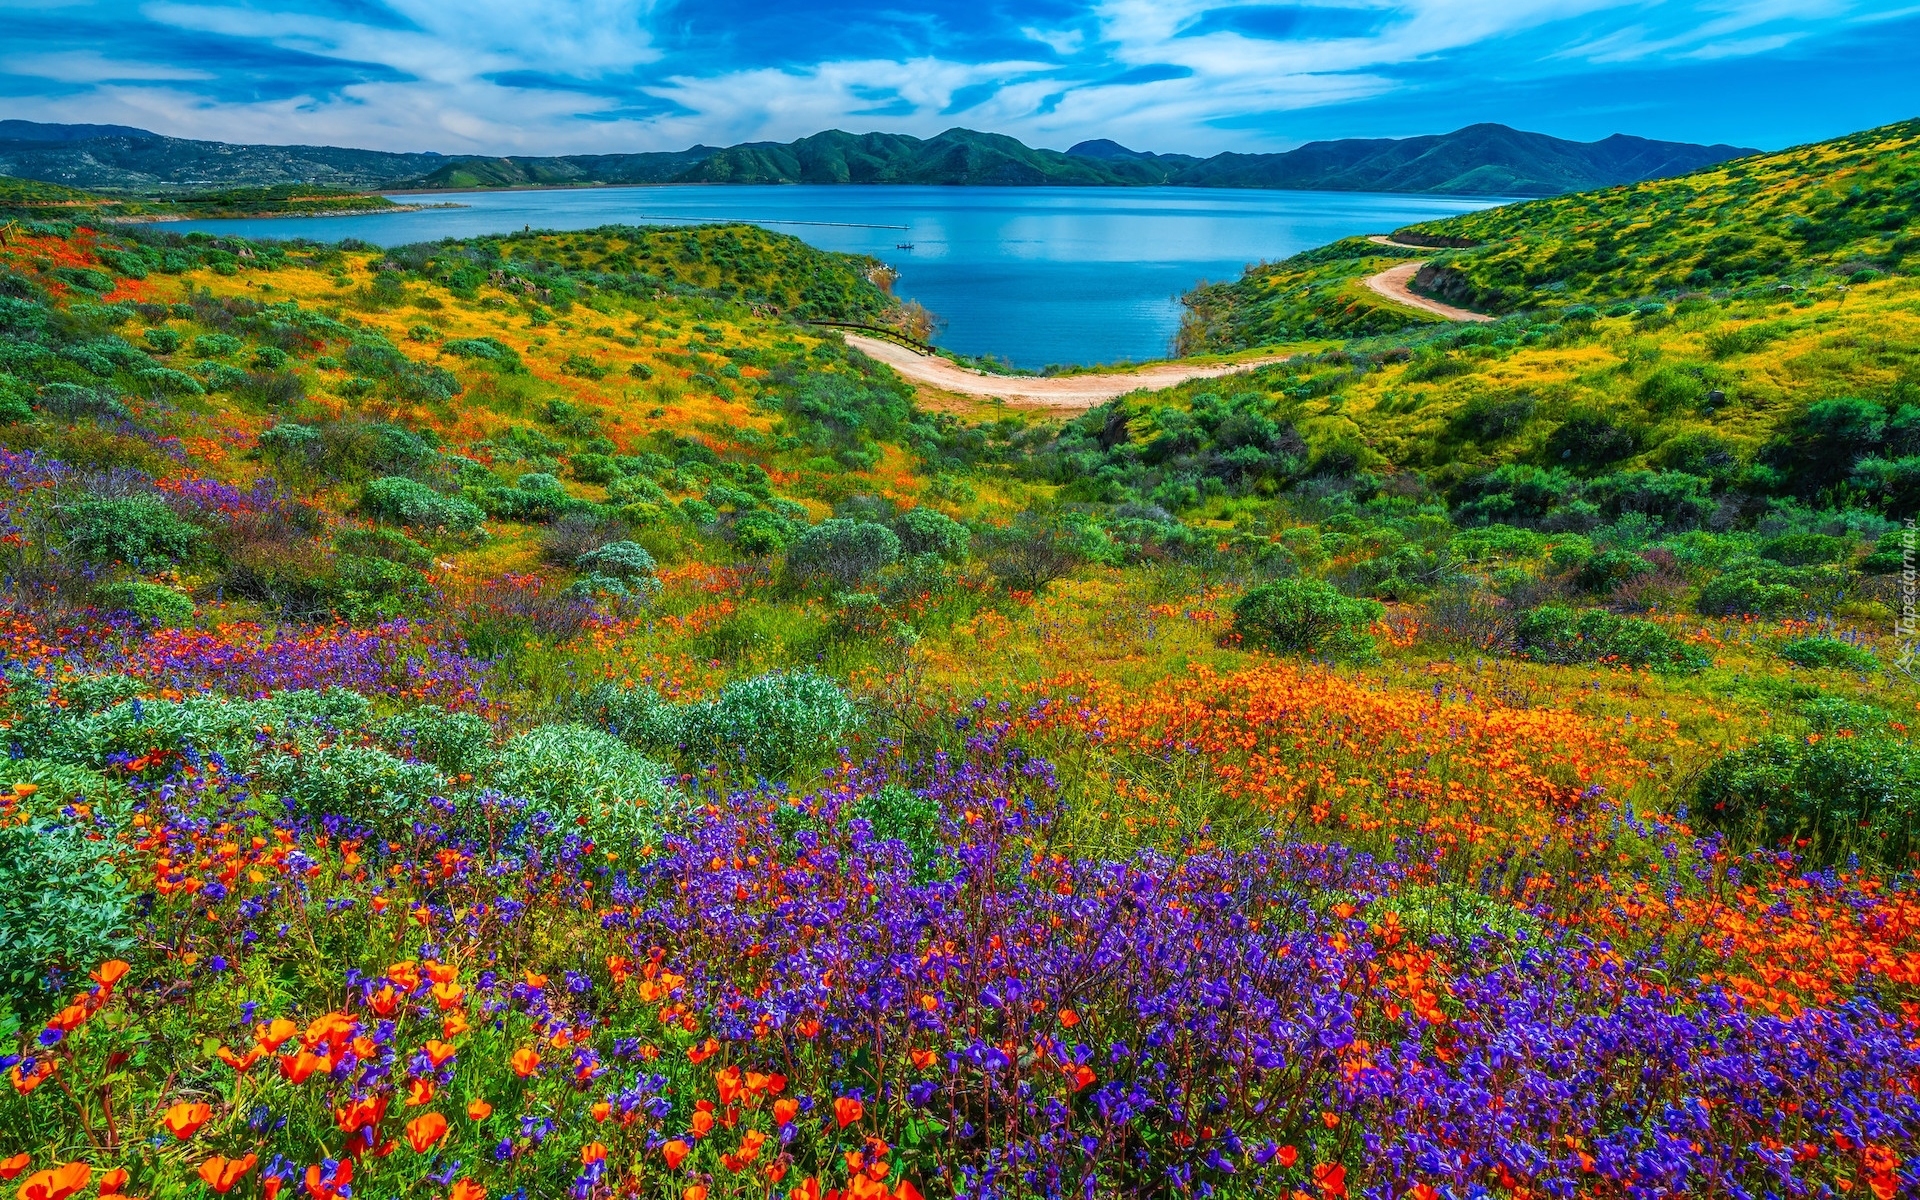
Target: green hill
(1480, 159)
(1842, 206)
(1815, 215)
(958, 156)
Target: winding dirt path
(1064, 391)
(1393, 284)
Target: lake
(1031, 275)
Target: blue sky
(1199, 76)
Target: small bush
(1306, 616)
(150, 602)
(377, 541)
(410, 502)
(1825, 797)
(761, 533)
(585, 777)
(622, 560)
(1804, 549)
(898, 814)
(65, 913)
(137, 530)
(363, 785)
(456, 742)
(1033, 552)
(1767, 590)
(636, 715)
(1825, 653)
(772, 724)
(1608, 570)
(844, 551)
(216, 345)
(925, 531)
(1555, 634)
(1589, 440)
(580, 533)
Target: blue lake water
(1032, 275)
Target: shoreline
(157, 218)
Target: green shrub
(623, 560)
(1828, 653)
(1608, 570)
(1767, 589)
(216, 345)
(1803, 549)
(137, 530)
(588, 778)
(378, 541)
(896, 813)
(844, 551)
(1306, 616)
(1889, 557)
(171, 382)
(1588, 440)
(66, 912)
(1555, 634)
(1826, 714)
(163, 340)
(363, 588)
(150, 602)
(633, 714)
(361, 784)
(1824, 796)
(485, 348)
(927, 531)
(761, 533)
(412, 503)
(631, 489)
(456, 742)
(771, 724)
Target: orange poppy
(479, 1110)
(847, 1110)
(467, 1189)
(419, 1091)
(525, 1062)
(183, 1120)
(11, 1167)
(111, 972)
(438, 1052)
(424, 1130)
(221, 1174)
(697, 1192)
(57, 1184)
(593, 1152)
(784, 1111)
(112, 1183)
(676, 1152)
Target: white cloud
(89, 66)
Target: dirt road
(1065, 391)
(1392, 283)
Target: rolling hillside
(1481, 159)
(1811, 216)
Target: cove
(1031, 275)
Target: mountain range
(1486, 159)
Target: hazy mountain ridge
(1480, 159)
